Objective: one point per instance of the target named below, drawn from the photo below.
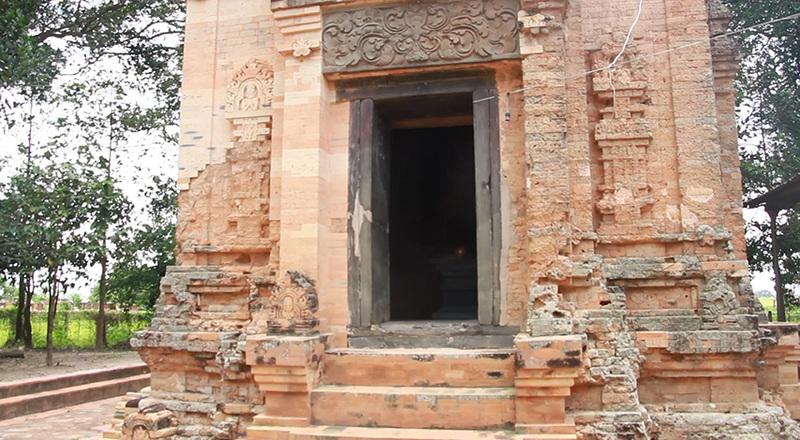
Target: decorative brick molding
(546, 371)
(409, 35)
(285, 368)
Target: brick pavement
(79, 422)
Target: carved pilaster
(546, 154)
(537, 19)
(724, 51)
(623, 135)
(299, 30)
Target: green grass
(792, 313)
(76, 329)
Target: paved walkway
(79, 422)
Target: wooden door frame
(367, 287)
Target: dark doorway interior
(432, 238)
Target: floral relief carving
(293, 304)
(407, 35)
(301, 48)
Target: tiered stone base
(431, 393)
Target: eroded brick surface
(621, 259)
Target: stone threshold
(433, 334)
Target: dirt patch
(67, 361)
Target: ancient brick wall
(622, 274)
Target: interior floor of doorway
(432, 245)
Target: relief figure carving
(251, 88)
(406, 35)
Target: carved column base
(285, 369)
(546, 371)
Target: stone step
(414, 407)
(546, 437)
(420, 367)
(365, 433)
(554, 431)
(360, 433)
(17, 406)
(48, 383)
(460, 334)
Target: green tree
(769, 122)
(47, 217)
(7, 291)
(20, 255)
(100, 118)
(131, 50)
(143, 252)
(38, 36)
(75, 198)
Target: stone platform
(30, 396)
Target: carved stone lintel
(292, 305)
(413, 34)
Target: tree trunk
(19, 327)
(776, 266)
(28, 330)
(100, 324)
(52, 305)
(12, 353)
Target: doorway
(423, 228)
(432, 240)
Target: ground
(79, 422)
(67, 361)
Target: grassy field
(792, 315)
(76, 329)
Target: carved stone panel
(251, 89)
(419, 34)
(292, 305)
(248, 102)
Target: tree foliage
(39, 37)
(92, 75)
(769, 118)
(46, 213)
(142, 253)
